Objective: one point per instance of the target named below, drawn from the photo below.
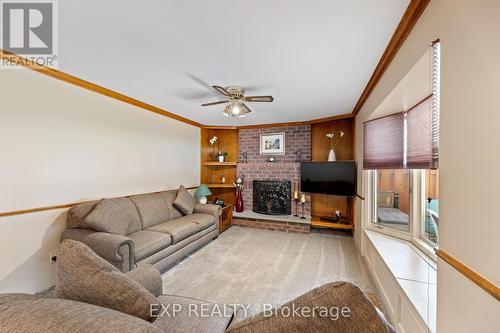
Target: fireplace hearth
(272, 197)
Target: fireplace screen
(272, 197)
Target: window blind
(421, 140)
(423, 122)
(407, 139)
(383, 143)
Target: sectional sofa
(92, 295)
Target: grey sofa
(91, 295)
(22, 313)
(159, 233)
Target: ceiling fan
(235, 96)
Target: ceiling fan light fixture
(235, 109)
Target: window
(392, 199)
(401, 159)
(430, 227)
(405, 204)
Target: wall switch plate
(53, 257)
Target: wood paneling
(408, 21)
(228, 141)
(321, 144)
(20, 61)
(397, 181)
(431, 184)
(479, 280)
(326, 205)
(212, 174)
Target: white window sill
(412, 269)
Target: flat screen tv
(335, 178)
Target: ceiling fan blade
(215, 103)
(259, 98)
(200, 81)
(222, 90)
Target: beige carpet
(255, 267)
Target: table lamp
(202, 192)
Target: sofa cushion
(129, 206)
(184, 201)
(193, 316)
(152, 208)
(149, 242)
(107, 216)
(61, 316)
(84, 276)
(202, 220)
(77, 214)
(177, 229)
(169, 197)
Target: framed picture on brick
(272, 144)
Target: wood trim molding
(21, 61)
(405, 26)
(298, 123)
(67, 205)
(479, 280)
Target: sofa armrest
(114, 248)
(213, 210)
(149, 277)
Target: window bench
(406, 278)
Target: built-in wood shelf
(317, 223)
(220, 185)
(214, 163)
(213, 171)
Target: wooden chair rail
(479, 280)
(67, 205)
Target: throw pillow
(184, 201)
(107, 216)
(84, 276)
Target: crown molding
(405, 26)
(23, 62)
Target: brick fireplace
(285, 168)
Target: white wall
(470, 151)
(61, 144)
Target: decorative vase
(239, 201)
(221, 158)
(331, 156)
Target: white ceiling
(413, 88)
(315, 57)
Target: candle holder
(296, 207)
(296, 199)
(303, 203)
